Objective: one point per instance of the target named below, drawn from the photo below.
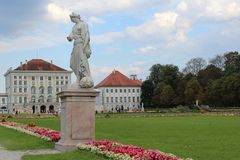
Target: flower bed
(44, 133)
(1, 117)
(118, 151)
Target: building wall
(113, 98)
(20, 86)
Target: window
(57, 89)
(116, 99)
(20, 77)
(33, 90)
(111, 99)
(133, 99)
(61, 77)
(49, 98)
(20, 82)
(129, 90)
(49, 90)
(120, 99)
(57, 77)
(138, 99)
(41, 90)
(116, 90)
(133, 90)
(125, 99)
(66, 82)
(129, 99)
(138, 90)
(49, 78)
(41, 78)
(107, 90)
(33, 78)
(15, 82)
(107, 99)
(125, 90)
(111, 90)
(41, 99)
(25, 77)
(20, 90)
(3, 100)
(120, 90)
(57, 82)
(15, 77)
(25, 90)
(20, 99)
(15, 90)
(62, 82)
(25, 82)
(66, 77)
(33, 99)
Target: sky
(126, 35)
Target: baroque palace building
(118, 93)
(32, 87)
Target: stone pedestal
(77, 116)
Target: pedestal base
(77, 117)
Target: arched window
(33, 99)
(41, 99)
(33, 90)
(41, 90)
(49, 90)
(49, 99)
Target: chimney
(133, 77)
(26, 61)
(51, 61)
(21, 63)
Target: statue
(81, 51)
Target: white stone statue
(81, 51)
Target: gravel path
(16, 155)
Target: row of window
(122, 99)
(122, 90)
(40, 77)
(25, 82)
(33, 99)
(41, 90)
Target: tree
(163, 95)
(192, 91)
(168, 74)
(194, 66)
(167, 95)
(147, 93)
(232, 63)
(208, 74)
(218, 61)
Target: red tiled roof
(39, 65)
(117, 79)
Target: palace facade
(32, 86)
(118, 93)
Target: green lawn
(13, 140)
(197, 137)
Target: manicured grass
(76, 155)
(197, 137)
(13, 140)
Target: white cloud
(182, 6)
(95, 20)
(97, 7)
(147, 49)
(58, 13)
(161, 24)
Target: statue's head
(74, 16)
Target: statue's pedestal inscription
(77, 116)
